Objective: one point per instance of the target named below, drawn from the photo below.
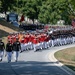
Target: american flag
(22, 18)
(73, 23)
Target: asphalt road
(34, 63)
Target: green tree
(7, 5)
(46, 11)
(52, 11)
(72, 7)
(32, 8)
(19, 6)
(0, 5)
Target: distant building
(2, 15)
(60, 22)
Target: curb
(59, 64)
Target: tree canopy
(45, 11)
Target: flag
(73, 23)
(22, 18)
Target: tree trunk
(33, 21)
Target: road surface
(34, 63)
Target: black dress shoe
(21, 51)
(9, 61)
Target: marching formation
(36, 40)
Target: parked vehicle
(15, 23)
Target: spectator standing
(16, 49)
(9, 48)
(2, 47)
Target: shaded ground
(3, 33)
(67, 57)
(6, 24)
(6, 28)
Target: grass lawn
(4, 23)
(4, 34)
(67, 57)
